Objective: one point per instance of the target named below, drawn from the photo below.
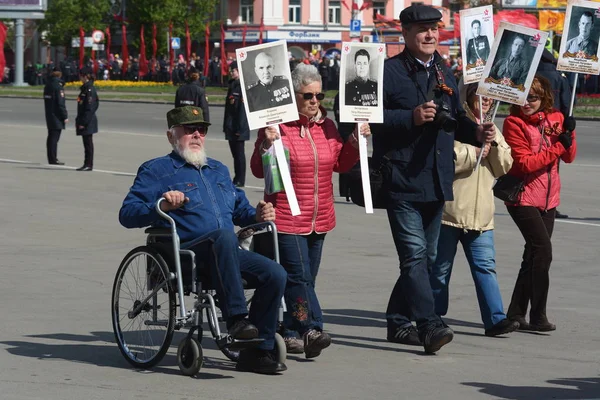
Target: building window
(247, 11)
(379, 7)
(295, 12)
(335, 12)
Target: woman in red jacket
(538, 141)
(316, 150)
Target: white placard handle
(482, 121)
(364, 170)
(286, 177)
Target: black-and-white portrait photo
(361, 90)
(478, 46)
(514, 58)
(583, 33)
(266, 80)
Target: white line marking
(104, 171)
(576, 222)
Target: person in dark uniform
(419, 170)
(86, 123)
(270, 90)
(235, 125)
(513, 66)
(192, 94)
(583, 42)
(56, 114)
(361, 91)
(478, 47)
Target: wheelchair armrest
(254, 228)
(158, 231)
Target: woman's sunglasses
(309, 96)
(532, 99)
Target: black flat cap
(233, 65)
(419, 14)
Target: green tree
(64, 17)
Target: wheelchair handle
(176, 255)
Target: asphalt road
(62, 244)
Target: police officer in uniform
(86, 122)
(361, 91)
(192, 94)
(235, 125)
(56, 113)
(478, 47)
(270, 90)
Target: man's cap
(192, 70)
(233, 65)
(56, 69)
(187, 115)
(419, 14)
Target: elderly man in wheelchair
(205, 205)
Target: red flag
(206, 52)
(143, 60)
(94, 65)
(171, 50)
(244, 35)
(154, 47)
(188, 43)
(124, 49)
(81, 43)
(108, 44)
(519, 17)
(224, 65)
(3, 30)
(260, 30)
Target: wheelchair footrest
(231, 343)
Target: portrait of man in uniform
(478, 48)
(514, 65)
(269, 90)
(583, 42)
(362, 90)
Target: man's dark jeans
(300, 255)
(228, 264)
(415, 229)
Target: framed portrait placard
(361, 82)
(477, 36)
(266, 83)
(579, 45)
(512, 64)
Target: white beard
(196, 158)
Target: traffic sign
(355, 25)
(97, 36)
(175, 43)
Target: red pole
(206, 50)
(81, 44)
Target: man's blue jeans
(415, 229)
(480, 252)
(300, 255)
(228, 264)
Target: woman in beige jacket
(469, 219)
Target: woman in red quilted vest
(316, 150)
(539, 139)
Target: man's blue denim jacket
(215, 203)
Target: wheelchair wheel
(143, 322)
(189, 356)
(280, 349)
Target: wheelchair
(150, 288)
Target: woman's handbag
(508, 188)
(378, 188)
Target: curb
(221, 105)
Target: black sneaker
(259, 361)
(243, 329)
(561, 215)
(407, 335)
(502, 328)
(435, 338)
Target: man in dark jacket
(235, 125)
(192, 94)
(56, 114)
(422, 118)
